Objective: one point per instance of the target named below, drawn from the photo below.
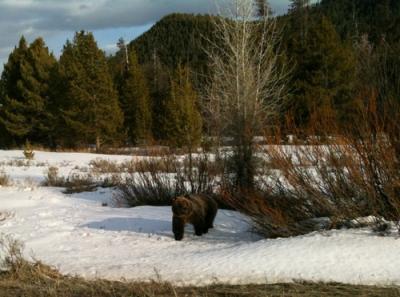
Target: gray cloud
(47, 18)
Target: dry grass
(166, 164)
(102, 166)
(19, 163)
(36, 280)
(78, 182)
(4, 179)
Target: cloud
(49, 18)
(49, 15)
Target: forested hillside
(353, 18)
(177, 39)
(334, 50)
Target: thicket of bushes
(336, 173)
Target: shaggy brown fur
(200, 211)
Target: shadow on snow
(164, 228)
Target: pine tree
(299, 11)
(5, 138)
(24, 112)
(135, 101)
(89, 104)
(159, 84)
(324, 71)
(183, 123)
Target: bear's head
(182, 206)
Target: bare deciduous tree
(248, 81)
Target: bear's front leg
(178, 227)
(198, 227)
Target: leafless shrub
(52, 178)
(152, 184)
(341, 173)
(167, 164)
(111, 181)
(272, 216)
(77, 183)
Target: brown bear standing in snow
(200, 211)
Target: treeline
(78, 101)
(149, 92)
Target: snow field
(78, 235)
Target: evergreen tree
(89, 101)
(299, 17)
(135, 101)
(158, 77)
(10, 76)
(355, 18)
(5, 138)
(183, 123)
(24, 113)
(324, 71)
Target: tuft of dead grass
(4, 179)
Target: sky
(57, 20)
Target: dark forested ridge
(377, 18)
(176, 39)
(336, 50)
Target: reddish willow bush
(342, 173)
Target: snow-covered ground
(80, 236)
(33, 172)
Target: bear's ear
(187, 196)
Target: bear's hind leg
(211, 214)
(199, 227)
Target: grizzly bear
(198, 210)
